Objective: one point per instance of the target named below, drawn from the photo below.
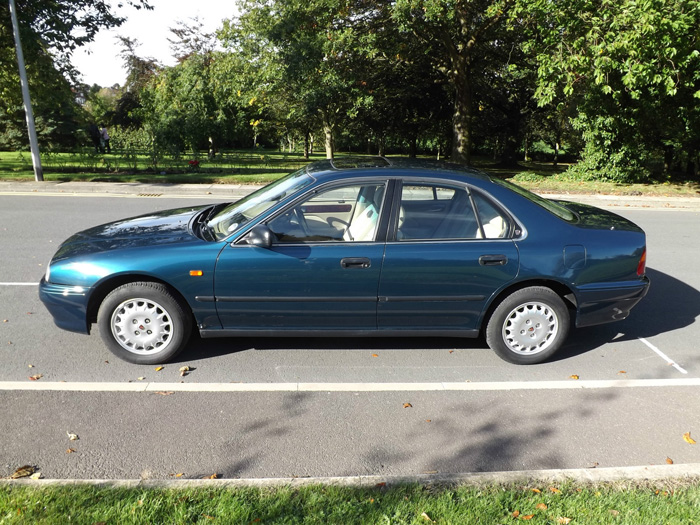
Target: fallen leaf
(407, 405)
(614, 512)
(426, 517)
(36, 377)
(381, 484)
(71, 451)
(536, 491)
(574, 376)
(669, 460)
(515, 513)
(555, 490)
(527, 517)
(563, 520)
(36, 475)
(31, 366)
(159, 368)
(594, 465)
(688, 439)
(140, 378)
(4, 320)
(428, 420)
(163, 393)
(541, 506)
(72, 436)
(622, 372)
(178, 475)
(184, 368)
(452, 351)
(23, 472)
(213, 476)
(375, 355)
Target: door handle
(355, 262)
(493, 260)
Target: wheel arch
(557, 287)
(105, 287)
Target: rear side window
(494, 222)
(432, 212)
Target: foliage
(536, 502)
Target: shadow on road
(670, 305)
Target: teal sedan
(353, 247)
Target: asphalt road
(340, 407)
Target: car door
(450, 251)
(321, 271)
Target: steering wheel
(301, 220)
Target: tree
(50, 31)
(633, 68)
(459, 35)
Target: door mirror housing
(259, 235)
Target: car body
(355, 247)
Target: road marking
(344, 387)
(664, 356)
(19, 284)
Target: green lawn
(261, 166)
(575, 503)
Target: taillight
(642, 266)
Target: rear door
(451, 250)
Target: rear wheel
(144, 323)
(528, 326)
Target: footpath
(236, 191)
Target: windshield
(549, 205)
(238, 213)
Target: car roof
(366, 165)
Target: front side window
(340, 214)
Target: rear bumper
(67, 305)
(605, 303)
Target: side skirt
(209, 333)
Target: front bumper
(605, 303)
(67, 304)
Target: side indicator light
(196, 273)
(641, 267)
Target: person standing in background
(104, 139)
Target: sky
(99, 62)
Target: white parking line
(19, 284)
(664, 356)
(344, 387)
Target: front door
(321, 272)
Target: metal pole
(33, 143)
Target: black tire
(528, 326)
(159, 325)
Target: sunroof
(345, 163)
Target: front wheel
(528, 326)
(144, 323)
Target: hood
(154, 229)
(598, 219)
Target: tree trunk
(462, 117)
(413, 147)
(381, 145)
(306, 146)
(328, 132)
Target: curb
(686, 472)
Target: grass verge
(669, 502)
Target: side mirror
(260, 235)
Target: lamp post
(33, 143)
